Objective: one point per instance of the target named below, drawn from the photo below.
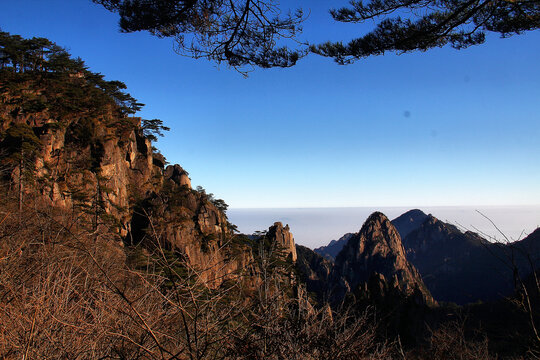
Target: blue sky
(440, 128)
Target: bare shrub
(282, 323)
(449, 342)
(68, 292)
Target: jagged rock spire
(376, 251)
(284, 238)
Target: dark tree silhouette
(21, 145)
(153, 128)
(250, 32)
(425, 24)
(237, 32)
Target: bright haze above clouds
(439, 128)
(315, 227)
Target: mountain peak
(377, 249)
(415, 213)
(409, 221)
(376, 216)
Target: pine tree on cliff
(21, 145)
(43, 89)
(39, 59)
(153, 128)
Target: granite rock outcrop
(98, 164)
(283, 237)
(375, 256)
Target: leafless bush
(522, 261)
(282, 323)
(56, 297)
(67, 292)
(449, 342)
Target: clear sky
(439, 128)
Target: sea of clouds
(314, 227)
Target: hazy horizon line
(316, 226)
(381, 206)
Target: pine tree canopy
(237, 32)
(251, 32)
(425, 24)
(72, 86)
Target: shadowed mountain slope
(409, 221)
(376, 251)
(463, 267)
(331, 250)
(456, 266)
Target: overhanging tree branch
(460, 23)
(240, 33)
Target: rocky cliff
(186, 221)
(94, 159)
(375, 258)
(314, 271)
(68, 141)
(285, 240)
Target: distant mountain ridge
(409, 221)
(404, 224)
(464, 267)
(376, 253)
(331, 250)
(456, 266)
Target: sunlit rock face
(187, 222)
(178, 175)
(85, 163)
(282, 236)
(374, 258)
(104, 169)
